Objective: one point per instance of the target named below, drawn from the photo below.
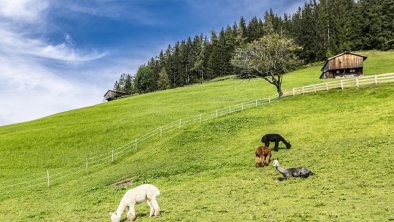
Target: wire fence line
(51, 177)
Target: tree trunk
(276, 83)
(279, 90)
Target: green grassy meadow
(206, 171)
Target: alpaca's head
(288, 145)
(115, 217)
(275, 162)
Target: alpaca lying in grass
(291, 172)
(137, 195)
(267, 138)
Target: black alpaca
(267, 138)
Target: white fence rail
(49, 177)
(341, 84)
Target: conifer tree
(323, 28)
(116, 86)
(143, 79)
(127, 84)
(163, 82)
(254, 30)
(214, 61)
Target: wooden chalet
(346, 64)
(113, 94)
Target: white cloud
(23, 10)
(30, 91)
(16, 43)
(29, 87)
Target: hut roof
(116, 92)
(113, 94)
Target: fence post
(48, 177)
(357, 83)
(269, 99)
(327, 86)
(302, 90)
(180, 123)
(376, 79)
(342, 84)
(200, 118)
(314, 88)
(113, 156)
(293, 92)
(242, 104)
(256, 102)
(216, 113)
(87, 166)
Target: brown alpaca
(263, 156)
(259, 160)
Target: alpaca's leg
(259, 162)
(155, 206)
(131, 213)
(152, 210)
(276, 145)
(267, 159)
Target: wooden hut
(112, 94)
(346, 64)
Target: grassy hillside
(208, 169)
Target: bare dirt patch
(122, 183)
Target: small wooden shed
(113, 94)
(346, 64)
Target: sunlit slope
(206, 172)
(66, 139)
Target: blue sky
(62, 55)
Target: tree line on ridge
(321, 28)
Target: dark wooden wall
(346, 61)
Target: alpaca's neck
(121, 208)
(285, 142)
(281, 169)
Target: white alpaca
(137, 195)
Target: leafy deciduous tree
(270, 57)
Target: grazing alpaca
(291, 172)
(263, 156)
(267, 138)
(137, 195)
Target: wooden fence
(91, 163)
(341, 84)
